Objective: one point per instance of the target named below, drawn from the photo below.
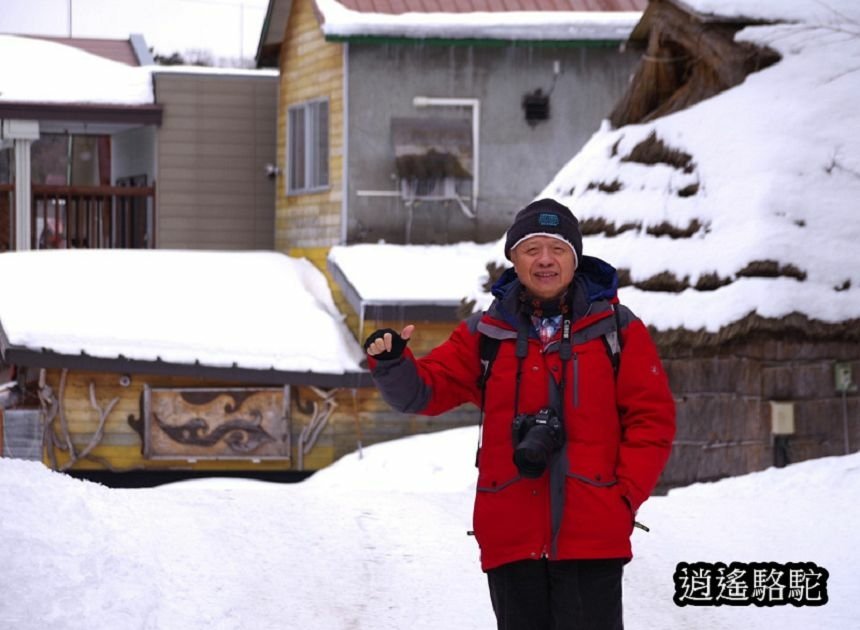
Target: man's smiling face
(545, 265)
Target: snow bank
(379, 542)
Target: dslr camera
(536, 438)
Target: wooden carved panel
(234, 423)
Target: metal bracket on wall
(844, 378)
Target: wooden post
(22, 133)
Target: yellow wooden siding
(360, 417)
(121, 446)
(310, 68)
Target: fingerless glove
(398, 344)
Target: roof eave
(264, 33)
(272, 33)
(14, 355)
(147, 114)
(420, 310)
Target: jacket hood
(595, 279)
(601, 278)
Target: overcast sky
(226, 28)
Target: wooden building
(194, 363)
(380, 132)
(133, 155)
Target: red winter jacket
(619, 429)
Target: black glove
(398, 344)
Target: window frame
(311, 138)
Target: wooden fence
(93, 217)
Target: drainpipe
(344, 202)
(475, 104)
(22, 133)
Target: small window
(308, 147)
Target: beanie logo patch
(547, 219)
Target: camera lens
(532, 454)
(536, 438)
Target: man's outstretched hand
(386, 343)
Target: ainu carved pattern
(204, 422)
(242, 436)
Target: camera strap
(564, 353)
(488, 348)
(522, 351)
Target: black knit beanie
(545, 217)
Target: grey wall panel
(517, 160)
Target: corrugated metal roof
(468, 6)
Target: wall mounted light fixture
(536, 103)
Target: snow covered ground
(380, 543)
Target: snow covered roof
(526, 20)
(380, 275)
(257, 315)
(832, 12)
(65, 87)
(512, 20)
(40, 71)
(760, 216)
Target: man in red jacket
(578, 423)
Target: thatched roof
(753, 327)
(794, 326)
(687, 58)
(726, 196)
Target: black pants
(557, 595)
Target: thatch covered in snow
(687, 57)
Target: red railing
(93, 217)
